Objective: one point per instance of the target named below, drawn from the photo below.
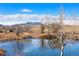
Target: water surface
(34, 47)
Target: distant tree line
(18, 28)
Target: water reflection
(54, 43)
(19, 45)
(37, 47)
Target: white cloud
(26, 10)
(23, 18)
(17, 18)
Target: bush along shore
(13, 36)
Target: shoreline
(12, 36)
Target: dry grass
(71, 29)
(8, 36)
(68, 30)
(25, 35)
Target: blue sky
(11, 9)
(37, 8)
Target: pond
(35, 47)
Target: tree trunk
(62, 50)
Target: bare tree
(42, 32)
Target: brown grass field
(69, 31)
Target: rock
(2, 52)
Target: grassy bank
(13, 36)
